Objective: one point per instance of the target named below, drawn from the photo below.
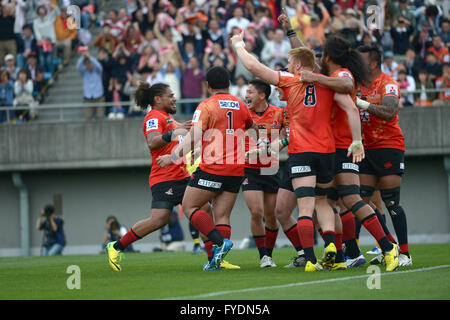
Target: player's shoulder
(285, 77)
(275, 109)
(387, 79)
(154, 114)
(388, 85)
(341, 73)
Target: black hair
(218, 78)
(262, 87)
(339, 50)
(375, 53)
(111, 217)
(145, 95)
(41, 6)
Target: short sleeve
(248, 120)
(285, 79)
(344, 74)
(390, 89)
(153, 123)
(201, 117)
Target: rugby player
(167, 184)
(261, 179)
(286, 200)
(342, 62)
(311, 147)
(219, 125)
(384, 141)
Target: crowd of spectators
(36, 38)
(177, 41)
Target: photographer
(114, 231)
(54, 238)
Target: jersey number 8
(310, 96)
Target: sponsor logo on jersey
(229, 104)
(300, 169)
(286, 74)
(392, 89)
(343, 74)
(350, 166)
(152, 124)
(168, 120)
(209, 184)
(196, 115)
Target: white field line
(297, 284)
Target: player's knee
(333, 194)
(282, 212)
(303, 192)
(350, 200)
(391, 198)
(321, 192)
(160, 220)
(348, 190)
(257, 213)
(366, 191)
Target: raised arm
(294, 40)
(251, 63)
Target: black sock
(328, 237)
(339, 256)
(262, 252)
(382, 219)
(352, 249)
(118, 246)
(385, 244)
(215, 237)
(309, 255)
(357, 227)
(400, 226)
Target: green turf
(165, 275)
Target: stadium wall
(95, 169)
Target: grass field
(165, 275)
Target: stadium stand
(156, 40)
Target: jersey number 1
(310, 96)
(230, 129)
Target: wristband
(167, 137)
(362, 103)
(291, 33)
(285, 142)
(240, 44)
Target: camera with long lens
(48, 210)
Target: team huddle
(344, 142)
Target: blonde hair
(303, 55)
